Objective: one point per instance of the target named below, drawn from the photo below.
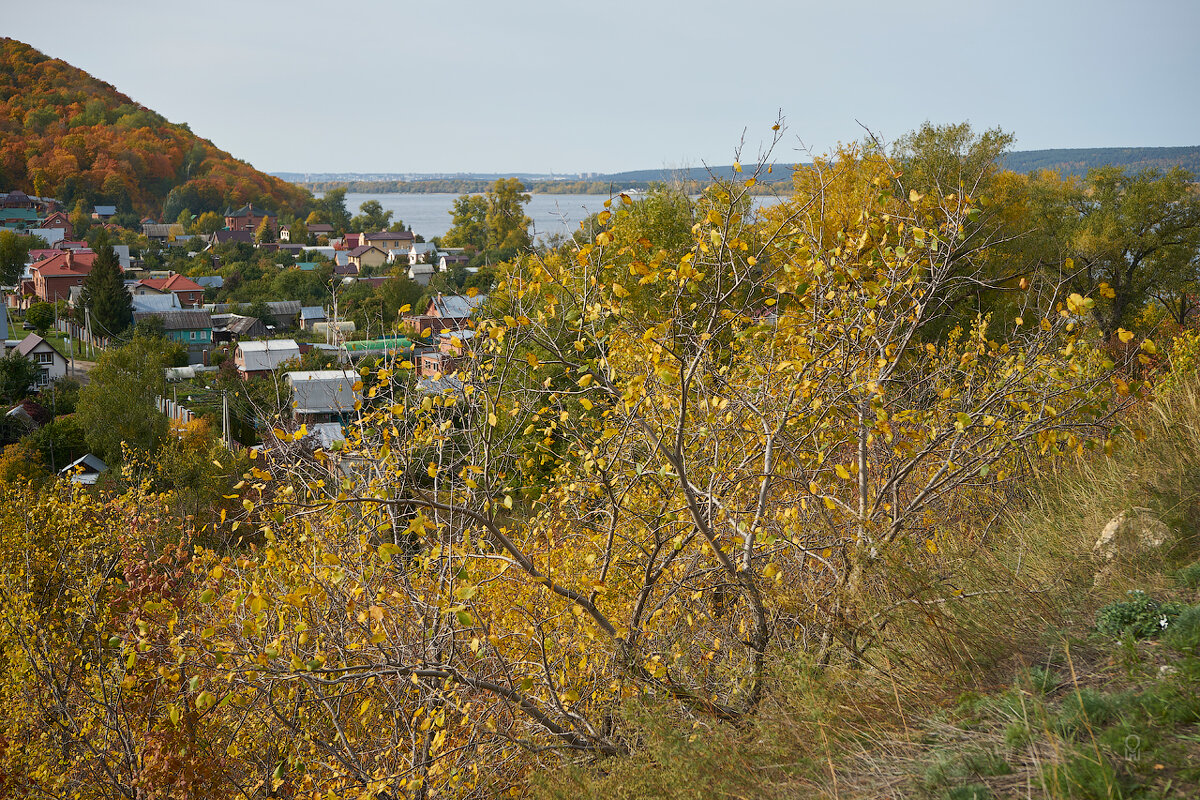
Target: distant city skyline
(367, 86)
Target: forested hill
(68, 135)
(1077, 161)
(1069, 161)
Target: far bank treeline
(67, 135)
(475, 186)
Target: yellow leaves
(1150, 347)
(472, 291)
(737, 165)
(620, 291)
(749, 182)
(914, 196)
(842, 472)
(405, 308)
(432, 470)
(604, 238)
(587, 404)
(1106, 291)
(1077, 303)
(931, 546)
(532, 360)
(626, 199)
(770, 570)
(585, 380)
(493, 420)
(1124, 335)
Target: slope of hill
(68, 135)
(1077, 161)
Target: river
(429, 214)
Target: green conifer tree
(104, 292)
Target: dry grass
(951, 700)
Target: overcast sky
(532, 86)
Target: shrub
(1141, 616)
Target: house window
(193, 336)
(43, 378)
(45, 358)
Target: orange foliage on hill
(68, 135)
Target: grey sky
(478, 85)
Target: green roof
(399, 343)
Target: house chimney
(70, 259)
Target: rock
(1130, 532)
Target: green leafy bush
(1141, 616)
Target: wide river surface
(429, 214)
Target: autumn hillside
(68, 135)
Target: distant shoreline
(536, 187)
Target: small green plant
(975, 791)
(1017, 735)
(1043, 680)
(1087, 708)
(1141, 616)
(1184, 633)
(1088, 776)
(1189, 576)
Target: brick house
(248, 218)
(53, 277)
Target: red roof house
(190, 293)
(53, 277)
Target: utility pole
(225, 418)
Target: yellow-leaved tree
(659, 465)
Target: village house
(421, 252)
(190, 327)
(262, 357)
(60, 221)
(323, 395)
(53, 277)
(311, 315)
(235, 328)
(318, 229)
(53, 364)
(225, 237)
(388, 240)
(85, 470)
(447, 357)
(248, 218)
(104, 213)
(166, 232)
(421, 273)
(445, 312)
(190, 293)
(366, 257)
(452, 257)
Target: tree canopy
(104, 294)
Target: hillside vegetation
(712, 501)
(68, 135)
